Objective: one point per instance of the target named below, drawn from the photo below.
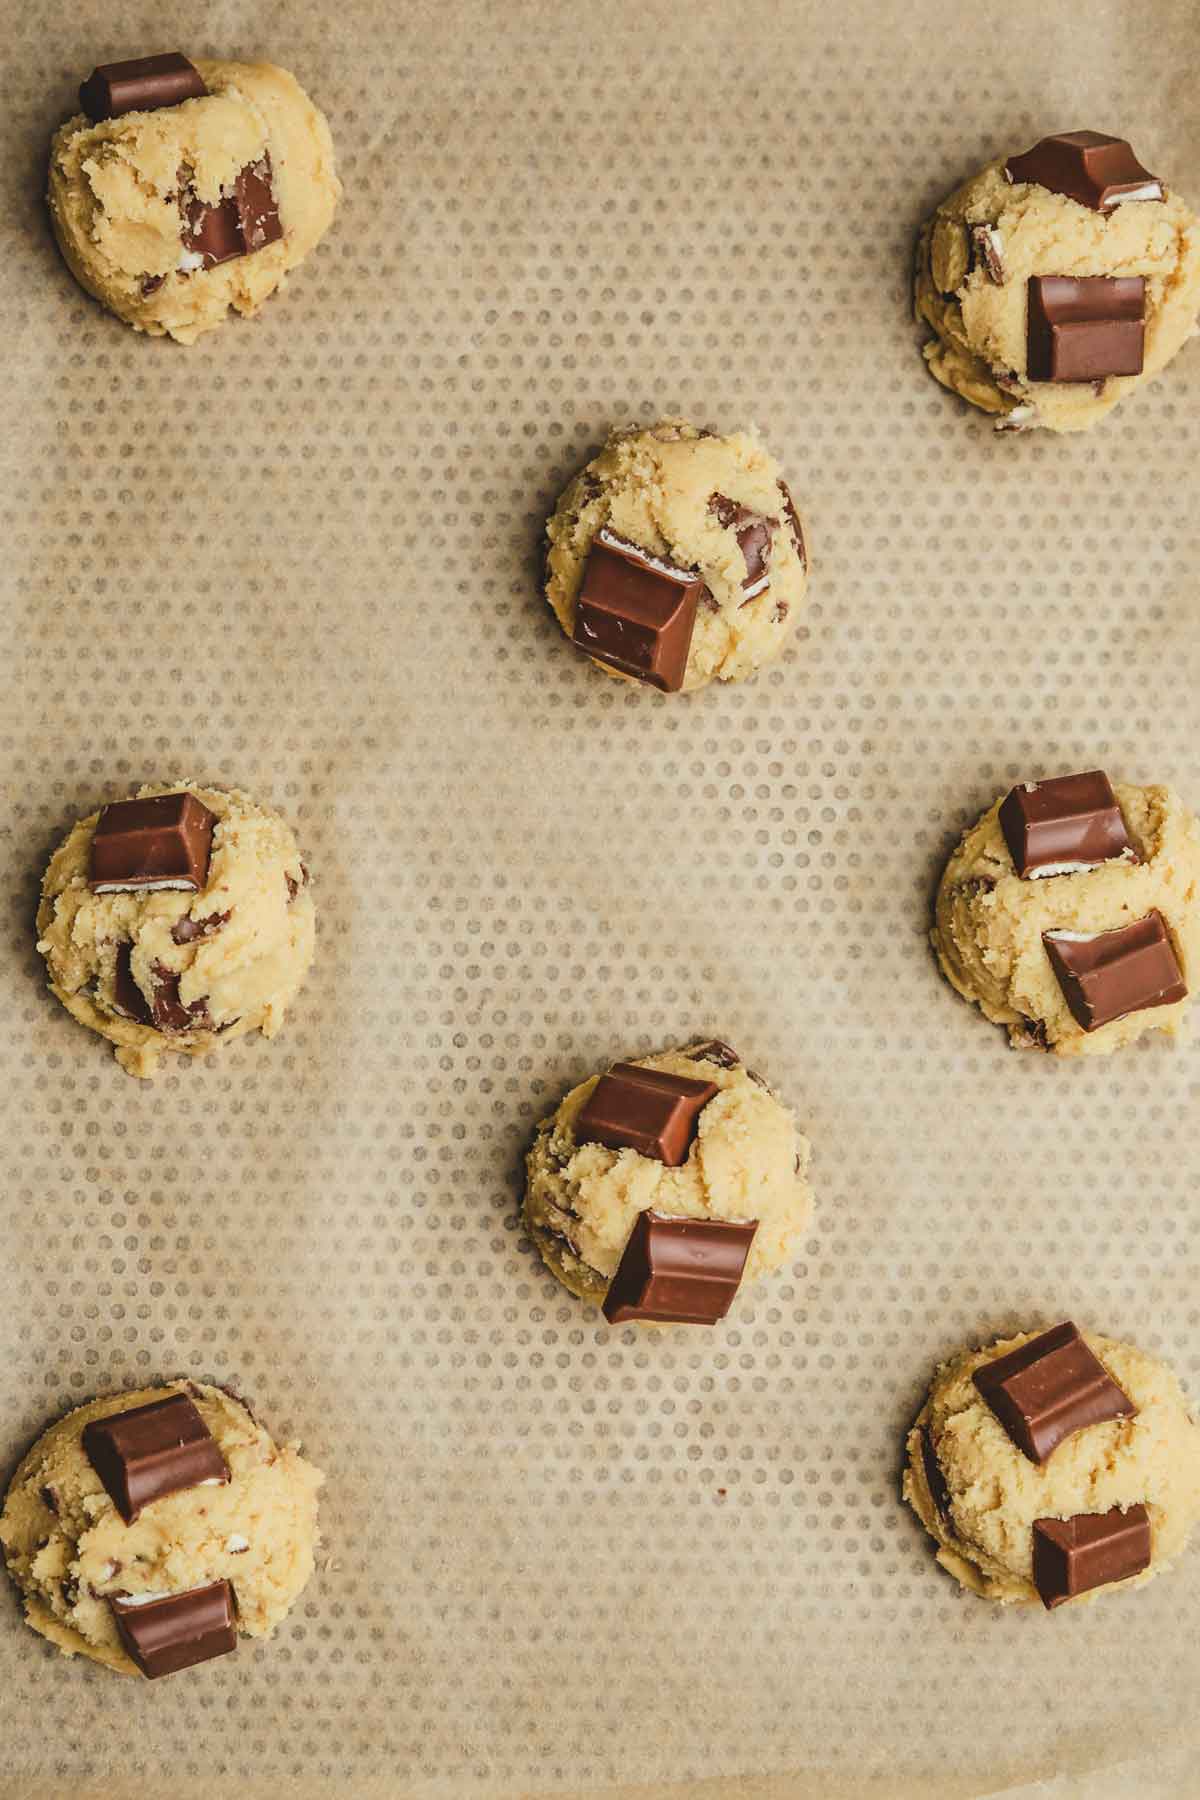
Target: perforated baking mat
(301, 558)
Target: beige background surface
(300, 558)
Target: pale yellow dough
(748, 1161)
(114, 196)
(652, 487)
(989, 922)
(247, 972)
(995, 1492)
(979, 324)
(68, 1548)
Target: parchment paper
(301, 557)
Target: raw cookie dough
(116, 207)
(989, 922)
(68, 1548)
(974, 260)
(654, 487)
(748, 1161)
(994, 1492)
(255, 918)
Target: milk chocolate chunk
(989, 247)
(679, 1271)
(164, 1636)
(714, 1050)
(167, 1011)
(647, 1110)
(1063, 826)
(151, 1451)
(1073, 1556)
(637, 612)
(1098, 171)
(127, 995)
(753, 532)
(935, 1481)
(1084, 328)
(240, 223)
(142, 85)
(189, 931)
(1049, 1389)
(1116, 972)
(145, 845)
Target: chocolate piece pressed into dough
(151, 1451)
(178, 1631)
(1085, 328)
(142, 85)
(1113, 973)
(240, 223)
(1049, 1389)
(753, 532)
(1100, 172)
(679, 1271)
(143, 845)
(1064, 825)
(637, 611)
(1073, 1556)
(647, 1110)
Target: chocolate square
(679, 1271)
(151, 1451)
(1085, 328)
(647, 1110)
(1049, 1389)
(178, 1631)
(1073, 1556)
(637, 611)
(240, 223)
(1105, 976)
(143, 85)
(145, 845)
(1063, 826)
(1100, 172)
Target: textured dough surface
(989, 922)
(115, 208)
(995, 1492)
(68, 1548)
(653, 486)
(247, 971)
(979, 324)
(748, 1161)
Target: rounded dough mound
(994, 1492)
(68, 1548)
(748, 1161)
(114, 196)
(653, 487)
(979, 323)
(255, 915)
(989, 922)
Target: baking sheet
(301, 557)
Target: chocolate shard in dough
(1105, 976)
(1091, 1550)
(151, 1451)
(935, 1480)
(1048, 1390)
(1063, 826)
(239, 224)
(162, 842)
(714, 1050)
(175, 1632)
(637, 611)
(142, 85)
(258, 213)
(127, 995)
(793, 523)
(1100, 172)
(679, 1271)
(647, 1110)
(1085, 328)
(753, 533)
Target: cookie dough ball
(747, 1161)
(984, 245)
(990, 922)
(161, 969)
(170, 217)
(70, 1551)
(978, 1495)
(713, 507)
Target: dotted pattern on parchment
(301, 558)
